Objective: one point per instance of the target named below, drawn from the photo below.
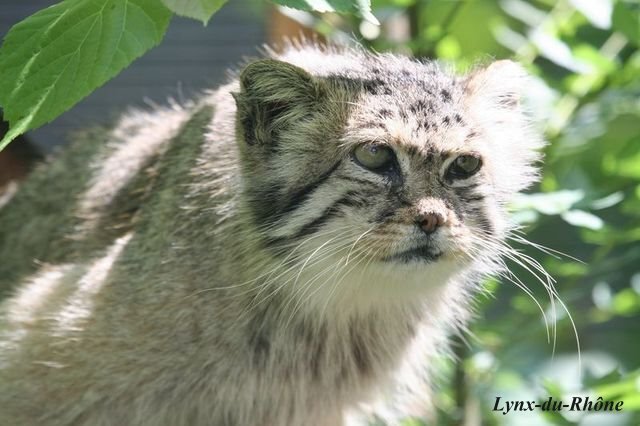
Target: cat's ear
(497, 86)
(493, 98)
(273, 96)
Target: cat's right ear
(273, 96)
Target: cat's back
(84, 196)
(66, 239)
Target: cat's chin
(421, 254)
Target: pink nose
(429, 222)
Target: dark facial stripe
(467, 193)
(263, 202)
(385, 214)
(328, 213)
(472, 198)
(349, 199)
(467, 187)
(302, 194)
(358, 180)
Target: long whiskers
(539, 273)
(547, 250)
(290, 258)
(257, 300)
(338, 267)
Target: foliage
(359, 8)
(201, 10)
(56, 57)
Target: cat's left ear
(274, 95)
(498, 86)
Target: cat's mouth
(424, 253)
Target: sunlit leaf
(552, 388)
(619, 386)
(629, 166)
(413, 422)
(551, 203)
(631, 401)
(201, 10)
(626, 302)
(598, 12)
(525, 216)
(589, 54)
(613, 376)
(361, 8)
(608, 201)
(583, 219)
(53, 59)
(558, 52)
(448, 48)
(626, 19)
(602, 296)
(568, 269)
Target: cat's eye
(374, 157)
(464, 166)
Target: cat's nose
(429, 222)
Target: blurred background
(585, 96)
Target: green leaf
(597, 12)
(448, 48)
(361, 8)
(608, 201)
(623, 385)
(201, 10)
(552, 388)
(612, 376)
(550, 203)
(631, 401)
(412, 422)
(592, 56)
(583, 219)
(626, 302)
(626, 19)
(56, 57)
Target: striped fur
(229, 262)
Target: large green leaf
(201, 10)
(56, 57)
(361, 8)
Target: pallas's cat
(289, 249)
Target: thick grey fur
(228, 262)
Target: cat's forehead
(383, 72)
(399, 100)
(418, 110)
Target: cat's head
(380, 162)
